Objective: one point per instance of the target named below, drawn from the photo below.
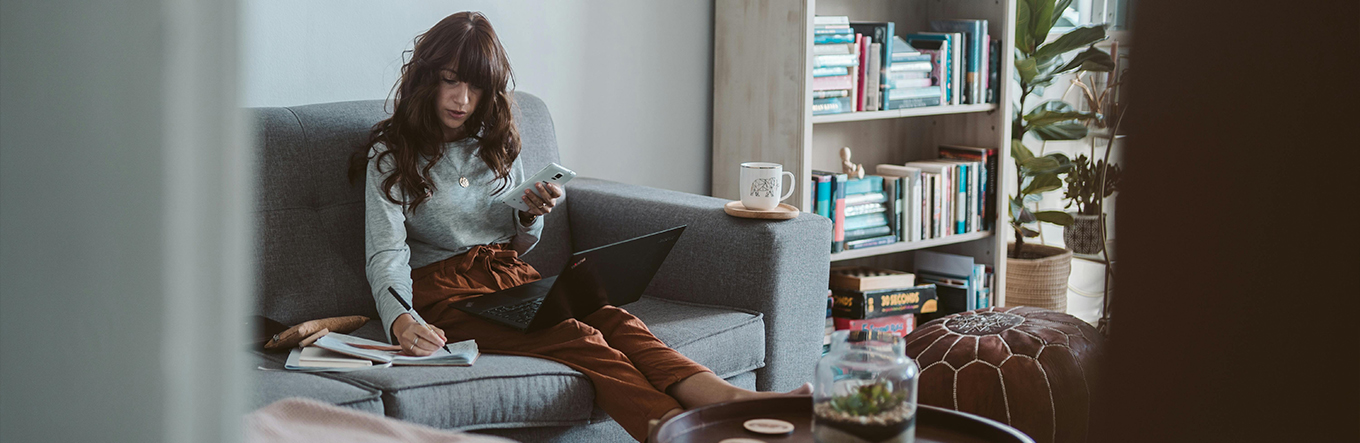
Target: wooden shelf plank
(900, 113)
(908, 246)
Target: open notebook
(336, 352)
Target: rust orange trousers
(629, 367)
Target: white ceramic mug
(760, 185)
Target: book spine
(830, 105)
(835, 60)
(832, 82)
(830, 71)
(831, 20)
(860, 81)
(867, 232)
(915, 102)
(961, 212)
(864, 197)
(910, 58)
(907, 83)
(923, 92)
(823, 195)
(864, 209)
(830, 93)
(830, 30)
(835, 49)
(875, 77)
(862, 221)
(871, 242)
(838, 208)
(833, 38)
(890, 191)
(916, 233)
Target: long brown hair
(415, 132)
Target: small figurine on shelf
(850, 169)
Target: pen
(413, 313)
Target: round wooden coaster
(782, 212)
(768, 426)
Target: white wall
(123, 222)
(629, 83)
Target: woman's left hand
(542, 201)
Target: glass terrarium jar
(865, 390)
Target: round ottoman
(1031, 368)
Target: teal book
(870, 183)
(822, 197)
(865, 221)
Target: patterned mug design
(765, 187)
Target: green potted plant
(1036, 275)
(1084, 191)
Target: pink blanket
(306, 420)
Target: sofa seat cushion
(276, 384)
(502, 391)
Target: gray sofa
(745, 298)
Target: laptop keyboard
(520, 313)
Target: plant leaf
(1027, 69)
(1017, 206)
(1055, 111)
(1041, 19)
(1059, 8)
(1072, 40)
(1039, 163)
(1055, 217)
(1043, 183)
(1029, 233)
(1091, 59)
(1023, 42)
(1061, 131)
(1019, 152)
(1026, 216)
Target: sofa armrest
(777, 268)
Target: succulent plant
(868, 400)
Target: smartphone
(553, 173)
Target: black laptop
(614, 274)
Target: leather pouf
(1031, 368)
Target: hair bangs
(479, 62)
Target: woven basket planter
(1038, 282)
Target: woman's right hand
(417, 340)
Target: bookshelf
(762, 110)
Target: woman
(433, 175)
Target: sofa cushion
(276, 384)
(510, 391)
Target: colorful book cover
(858, 305)
(899, 325)
(880, 32)
(827, 30)
(860, 81)
(833, 38)
(838, 209)
(974, 32)
(941, 64)
(869, 183)
(986, 180)
(823, 200)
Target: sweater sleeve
(388, 256)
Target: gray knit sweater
(451, 222)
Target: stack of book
(878, 299)
(961, 285)
(909, 78)
(835, 66)
(861, 211)
(962, 60)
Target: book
(860, 81)
(822, 201)
(872, 100)
(828, 30)
(838, 211)
(937, 74)
(883, 302)
(832, 49)
(867, 232)
(832, 82)
(974, 32)
(899, 325)
(863, 221)
(314, 357)
(923, 92)
(828, 20)
(913, 102)
(942, 207)
(865, 197)
(833, 38)
(908, 83)
(869, 183)
(923, 66)
(994, 70)
(930, 204)
(901, 51)
(986, 180)
(830, 71)
(866, 208)
(861, 278)
(837, 105)
(892, 187)
(964, 187)
(463, 353)
(835, 60)
(870, 242)
(831, 93)
(882, 32)
(951, 49)
(949, 272)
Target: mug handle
(792, 181)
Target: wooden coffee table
(714, 423)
